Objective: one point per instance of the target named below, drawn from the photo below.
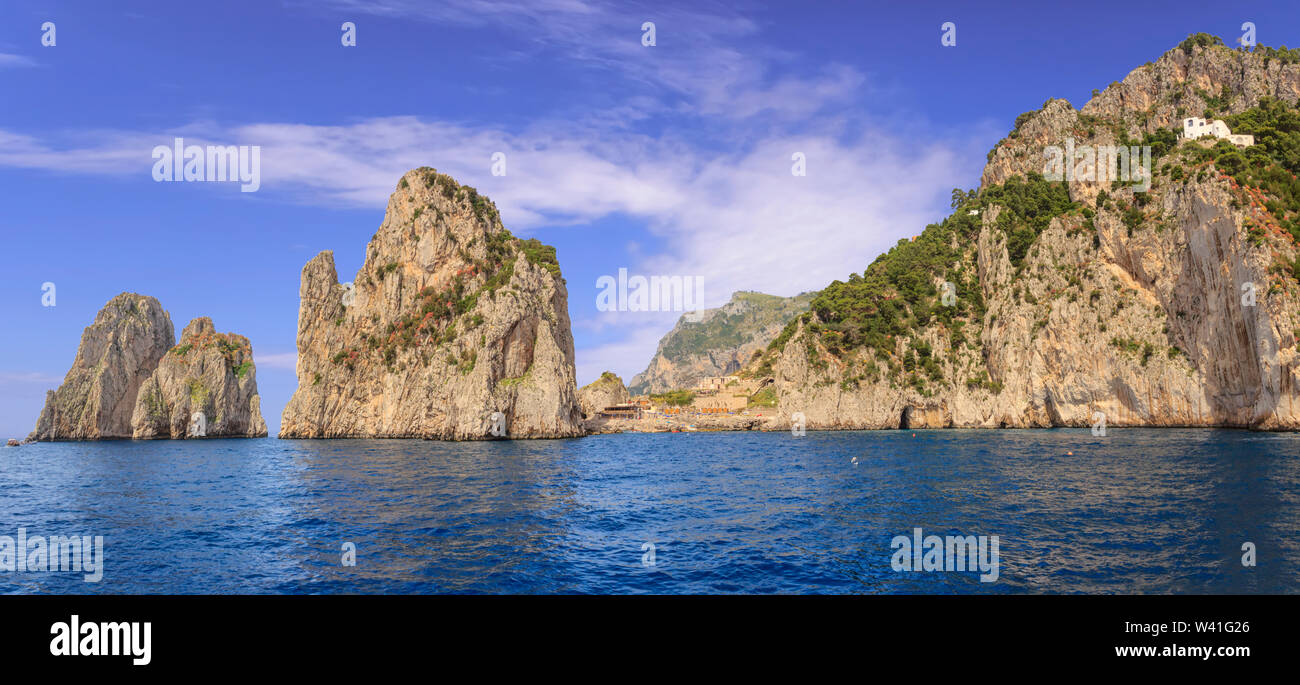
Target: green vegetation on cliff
(1272, 164)
(1199, 40)
(541, 255)
(608, 381)
(898, 294)
(676, 398)
(1267, 174)
(763, 398)
(1029, 206)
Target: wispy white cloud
(29, 377)
(11, 61)
(282, 360)
(626, 357)
(695, 55)
(107, 152)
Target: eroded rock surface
(605, 391)
(116, 355)
(449, 321)
(205, 386)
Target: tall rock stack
(130, 380)
(451, 327)
(117, 353)
(205, 386)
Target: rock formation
(205, 386)
(603, 392)
(720, 343)
(450, 321)
(125, 383)
(117, 353)
(1085, 302)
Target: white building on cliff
(1194, 128)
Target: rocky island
(125, 383)
(452, 329)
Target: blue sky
(666, 160)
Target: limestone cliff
(720, 343)
(449, 321)
(209, 374)
(116, 355)
(1068, 303)
(603, 392)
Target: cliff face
(1082, 300)
(449, 320)
(209, 373)
(720, 343)
(116, 355)
(603, 392)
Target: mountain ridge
(719, 343)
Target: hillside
(1081, 299)
(720, 343)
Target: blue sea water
(1136, 511)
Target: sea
(1147, 511)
